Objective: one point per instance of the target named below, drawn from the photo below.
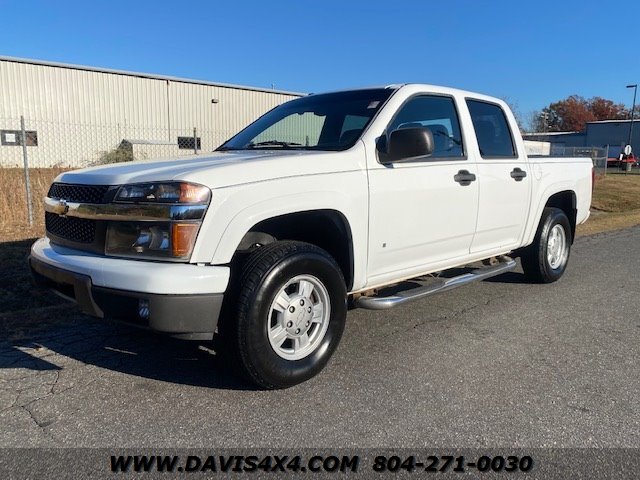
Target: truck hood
(216, 170)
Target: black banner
(16, 463)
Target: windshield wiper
(273, 143)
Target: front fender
(234, 211)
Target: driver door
(420, 216)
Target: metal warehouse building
(76, 115)
(610, 134)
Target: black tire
(535, 259)
(264, 274)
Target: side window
(439, 115)
(492, 130)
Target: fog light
(143, 309)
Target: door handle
(464, 178)
(518, 174)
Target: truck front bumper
(180, 299)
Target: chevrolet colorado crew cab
(323, 203)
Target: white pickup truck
(320, 204)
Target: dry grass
(615, 204)
(14, 223)
(617, 193)
(607, 222)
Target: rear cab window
(495, 139)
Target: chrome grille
(78, 193)
(74, 229)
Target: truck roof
(425, 86)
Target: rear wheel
(545, 260)
(290, 315)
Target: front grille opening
(78, 230)
(78, 193)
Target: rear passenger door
(504, 180)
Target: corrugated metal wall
(80, 114)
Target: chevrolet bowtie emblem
(62, 208)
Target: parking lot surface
(501, 363)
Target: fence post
(606, 159)
(195, 142)
(25, 160)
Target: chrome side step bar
(383, 303)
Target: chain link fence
(605, 160)
(54, 144)
(597, 154)
(34, 152)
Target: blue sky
(530, 53)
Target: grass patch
(615, 204)
(607, 222)
(617, 193)
(14, 220)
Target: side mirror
(409, 143)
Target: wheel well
(566, 201)
(327, 229)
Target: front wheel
(291, 313)
(545, 260)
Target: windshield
(329, 121)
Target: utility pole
(25, 160)
(633, 107)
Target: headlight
(166, 192)
(183, 205)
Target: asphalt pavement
(501, 363)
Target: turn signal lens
(192, 193)
(183, 237)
